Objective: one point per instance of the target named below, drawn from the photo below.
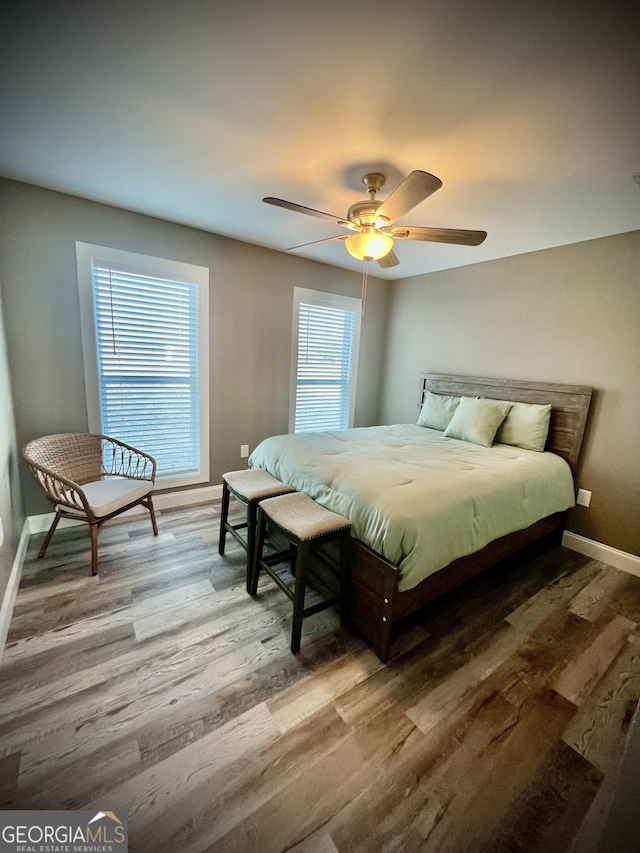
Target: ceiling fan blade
(439, 235)
(389, 260)
(299, 208)
(319, 242)
(415, 188)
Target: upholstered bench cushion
(254, 484)
(300, 515)
(107, 496)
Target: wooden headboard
(569, 404)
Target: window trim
(86, 253)
(329, 300)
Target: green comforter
(417, 498)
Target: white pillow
(437, 410)
(526, 426)
(477, 420)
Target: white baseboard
(8, 600)
(187, 497)
(168, 500)
(605, 553)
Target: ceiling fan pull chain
(365, 278)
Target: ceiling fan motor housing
(363, 213)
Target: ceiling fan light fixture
(368, 245)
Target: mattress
(416, 498)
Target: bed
(429, 512)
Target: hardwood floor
(162, 688)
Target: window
(145, 342)
(324, 362)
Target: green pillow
(437, 410)
(526, 426)
(477, 420)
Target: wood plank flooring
(162, 688)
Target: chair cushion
(107, 496)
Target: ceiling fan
(373, 222)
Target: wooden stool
(249, 486)
(302, 522)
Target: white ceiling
(529, 113)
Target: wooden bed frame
(376, 605)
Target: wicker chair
(91, 478)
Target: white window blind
(148, 346)
(324, 366)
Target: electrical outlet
(584, 497)
(244, 451)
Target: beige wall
(11, 510)
(570, 314)
(251, 293)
